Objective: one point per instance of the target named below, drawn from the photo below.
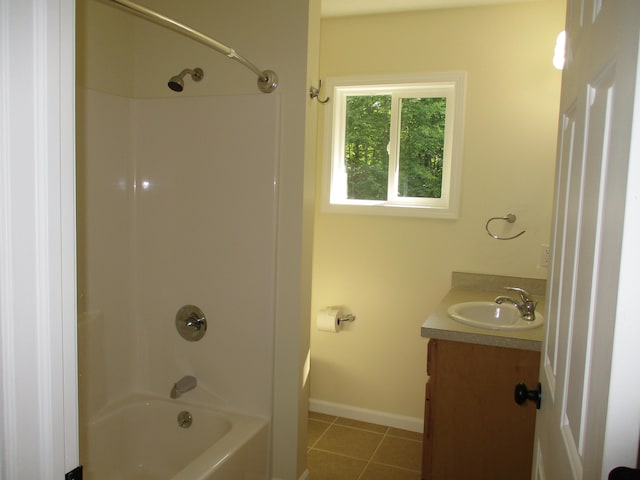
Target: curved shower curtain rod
(267, 79)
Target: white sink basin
(492, 316)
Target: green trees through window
(393, 145)
(419, 153)
(421, 147)
(366, 154)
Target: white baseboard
(305, 475)
(412, 424)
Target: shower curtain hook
(315, 93)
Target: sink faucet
(183, 385)
(527, 307)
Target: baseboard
(305, 475)
(412, 424)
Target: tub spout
(183, 385)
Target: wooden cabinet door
(475, 428)
(427, 447)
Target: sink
(492, 316)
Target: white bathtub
(140, 439)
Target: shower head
(177, 83)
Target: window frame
(445, 84)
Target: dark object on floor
(624, 473)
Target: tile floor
(344, 449)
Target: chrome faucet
(527, 306)
(183, 385)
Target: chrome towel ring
(510, 218)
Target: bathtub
(139, 439)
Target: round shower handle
(191, 323)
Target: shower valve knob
(191, 323)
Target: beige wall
(122, 55)
(391, 272)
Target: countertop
(440, 326)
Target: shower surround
(130, 60)
(176, 205)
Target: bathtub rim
(243, 429)
(141, 396)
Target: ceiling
(337, 8)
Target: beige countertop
(441, 326)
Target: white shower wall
(205, 235)
(104, 199)
(197, 227)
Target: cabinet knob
(522, 394)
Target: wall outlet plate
(544, 256)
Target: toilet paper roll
(327, 320)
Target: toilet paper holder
(332, 319)
(347, 317)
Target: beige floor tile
(400, 452)
(330, 466)
(371, 427)
(323, 417)
(315, 429)
(350, 442)
(397, 432)
(385, 472)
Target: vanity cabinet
(473, 429)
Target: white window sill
(389, 209)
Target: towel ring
(510, 218)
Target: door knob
(522, 394)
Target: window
(393, 145)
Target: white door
(38, 394)
(581, 430)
